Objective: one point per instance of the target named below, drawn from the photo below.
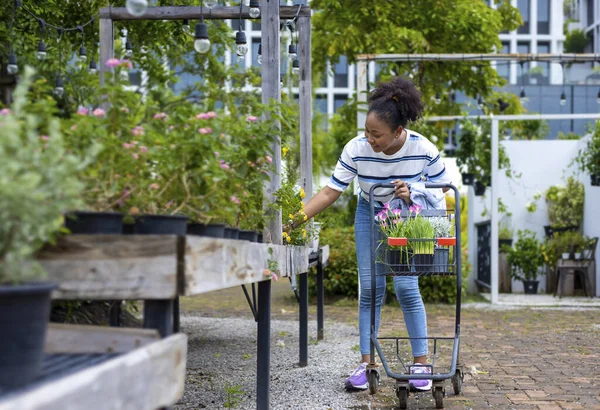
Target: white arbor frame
(362, 62)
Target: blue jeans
(406, 288)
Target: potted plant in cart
(38, 184)
(442, 228)
(526, 258)
(421, 236)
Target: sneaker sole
(415, 388)
(350, 386)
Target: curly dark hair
(396, 102)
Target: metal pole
(303, 285)
(494, 228)
(263, 346)
(572, 107)
(555, 58)
(320, 296)
(176, 315)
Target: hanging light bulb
(563, 98)
(438, 98)
(453, 96)
(128, 48)
(295, 67)
(254, 11)
(281, 79)
(523, 96)
(241, 47)
(12, 68)
(185, 27)
(82, 54)
(480, 102)
(201, 41)
(137, 8)
(292, 53)
(598, 97)
(59, 88)
(210, 4)
(259, 57)
(93, 68)
(41, 53)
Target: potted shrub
(442, 228)
(38, 184)
(565, 206)
(588, 159)
(526, 259)
(421, 239)
(505, 234)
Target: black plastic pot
(128, 228)
(423, 262)
(161, 225)
(441, 259)
(24, 316)
(479, 188)
(85, 222)
(467, 178)
(211, 230)
(259, 239)
(595, 179)
(551, 230)
(398, 260)
(248, 235)
(504, 243)
(232, 233)
(530, 286)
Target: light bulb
(12, 68)
(281, 79)
(259, 57)
(292, 54)
(523, 96)
(563, 99)
(59, 89)
(185, 27)
(254, 11)
(480, 102)
(598, 98)
(136, 8)
(128, 49)
(82, 54)
(438, 99)
(41, 54)
(296, 67)
(201, 42)
(210, 4)
(93, 69)
(241, 47)
(124, 75)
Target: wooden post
(361, 90)
(270, 69)
(106, 46)
(305, 91)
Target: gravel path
(221, 365)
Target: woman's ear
(398, 131)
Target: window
(543, 17)
(340, 71)
(320, 108)
(255, 44)
(590, 12)
(543, 48)
(523, 6)
(503, 67)
(339, 100)
(522, 48)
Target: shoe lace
(419, 370)
(360, 370)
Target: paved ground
(514, 357)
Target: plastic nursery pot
(467, 178)
(248, 235)
(398, 260)
(94, 223)
(530, 287)
(161, 225)
(479, 188)
(423, 262)
(231, 233)
(210, 230)
(441, 257)
(24, 317)
(595, 179)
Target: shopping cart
(394, 254)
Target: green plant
(234, 395)
(505, 230)
(588, 159)
(576, 41)
(568, 136)
(419, 228)
(442, 226)
(38, 184)
(565, 203)
(525, 257)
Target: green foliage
(565, 203)
(38, 184)
(570, 242)
(588, 159)
(234, 395)
(576, 41)
(525, 257)
(568, 136)
(531, 130)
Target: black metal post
(176, 315)
(263, 357)
(158, 314)
(303, 285)
(320, 296)
(572, 107)
(114, 313)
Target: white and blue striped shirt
(417, 160)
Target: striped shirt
(417, 160)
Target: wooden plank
(305, 94)
(361, 93)
(75, 339)
(270, 69)
(113, 267)
(106, 46)
(147, 378)
(214, 263)
(325, 255)
(194, 13)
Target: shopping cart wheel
(402, 394)
(457, 380)
(373, 379)
(438, 396)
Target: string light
(598, 97)
(41, 53)
(259, 57)
(128, 48)
(480, 102)
(241, 47)
(93, 68)
(59, 89)
(254, 11)
(186, 26)
(296, 67)
(201, 41)
(563, 98)
(136, 8)
(522, 96)
(438, 98)
(12, 68)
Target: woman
(386, 152)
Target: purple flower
(223, 165)
(160, 116)
(202, 116)
(205, 130)
(113, 62)
(234, 199)
(418, 208)
(98, 112)
(82, 111)
(4, 111)
(138, 131)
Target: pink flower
(137, 131)
(127, 145)
(205, 130)
(397, 212)
(154, 186)
(99, 112)
(126, 64)
(125, 110)
(113, 62)
(171, 127)
(82, 111)
(234, 199)
(417, 208)
(223, 165)
(269, 159)
(217, 154)
(4, 111)
(252, 118)
(135, 156)
(202, 116)
(275, 277)
(44, 138)
(143, 149)
(74, 127)
(160, 116)
(211, 114)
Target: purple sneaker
(420, 384)
(358, 379)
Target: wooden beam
(80, 339)
(146, 378)
(212, 264)
(106, 46)
(194, 13)
(305, 91)
(108, 267)
(270, 69)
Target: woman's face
(379, 134)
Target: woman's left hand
(402, 191)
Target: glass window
(590, 12)
(523, 6)
(340, 71)
(503, 67)
(543, 72)
(522, 48)
(256, 25)
(255, 44)
(339, 100)
(543, 17)
(324, 78)
(320, 108)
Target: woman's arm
(322, 200)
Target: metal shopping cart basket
(395, 254)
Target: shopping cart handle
(428, 185)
